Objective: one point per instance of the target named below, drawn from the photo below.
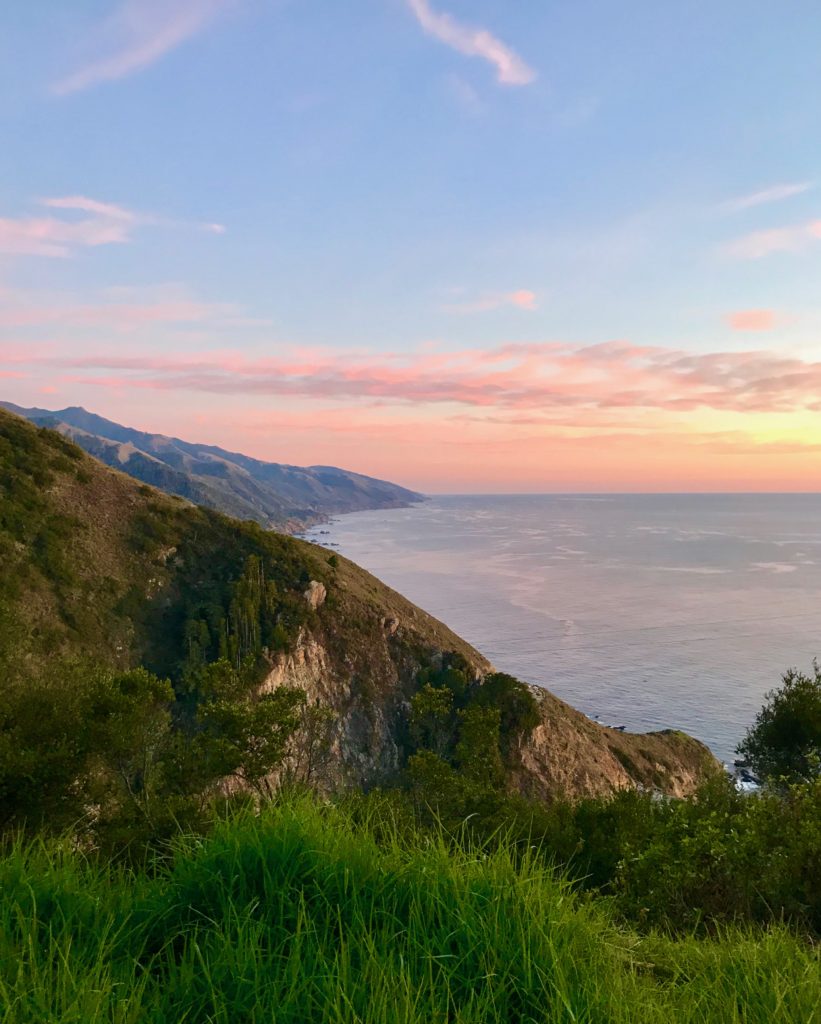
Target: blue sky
(267, 183)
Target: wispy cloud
(752, 320)
(139, 33)
(550, 379)
(773, 194)
(86, 205)
(792, 238)
(165, 306)
(98, 223)
(520, 299)
(473, 42)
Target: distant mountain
(272, 494)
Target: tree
(518, 710)
(785, 739)
(242, 733)
(431, 722)
(477, 752)
(81, 738)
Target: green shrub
(785, 740)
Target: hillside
(271, 494)
(99, 567)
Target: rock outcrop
(315, 594)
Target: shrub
(785, 740)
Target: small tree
(518, 710)
(431, 723)
(785, 739)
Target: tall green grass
(302, 914)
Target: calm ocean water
(650, 611)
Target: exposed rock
(315, 594)
(569, 754)
(390, 625)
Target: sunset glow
(492, 281)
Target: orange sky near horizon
(516, 418)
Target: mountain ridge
(275, 495)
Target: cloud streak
(137, 35)
(519, 299)
(99, 223)
(773, 194)
(758, 244)
(752, 320)
(544, 378)
(511, 69)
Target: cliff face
(367, 676)
(98, 567)
(568, 753)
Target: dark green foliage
(73, 738)
(478, 756)
(114, 755)
(242, 734)
(432, 718)
(518, 711)
(724, 856)
(29, 527)
(785, 740)
(234, 591)
(448, 707)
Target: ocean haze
(651, 611)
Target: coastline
(622, 638)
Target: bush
(785, 740)
(725, 857)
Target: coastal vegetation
(240, 780)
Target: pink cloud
(763, 243)
(473, 42)
(48, 236)
(107, 210)
(138, 34)
(120, 309)
(521, 299)
(99, 223)
(752, 320)
(549, 380)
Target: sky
(467, 245)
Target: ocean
(648, 611)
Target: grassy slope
(303, 914)
(96, 565)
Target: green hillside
(101, 568)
